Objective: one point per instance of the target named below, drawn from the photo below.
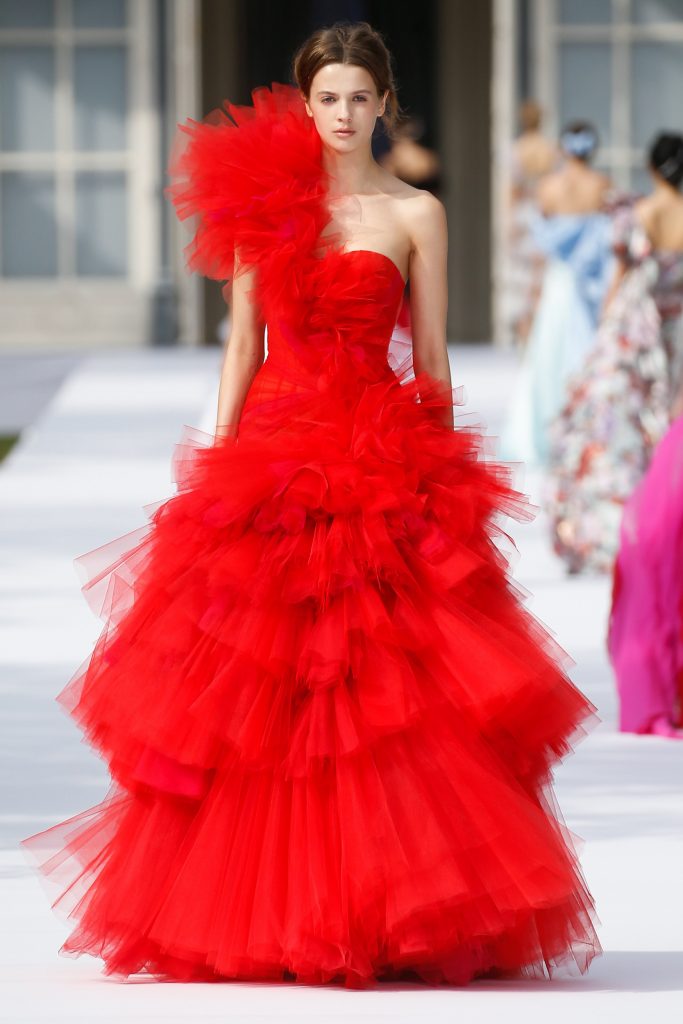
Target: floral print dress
(618, 406)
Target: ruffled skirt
(330, 722)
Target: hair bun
(579, 140)
(666, 157)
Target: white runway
(79, 478)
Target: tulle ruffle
(415, 856)
(251, 178)
(329, 720)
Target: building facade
(79, 135)
(616, 63)
(91, 91)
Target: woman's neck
(350, 173)
(575, 168)
(664, 191)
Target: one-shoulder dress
(330, 722)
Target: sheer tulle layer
(415, 855)
(321, 599)
(329, 720)
(253, 179)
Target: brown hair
(358, 44)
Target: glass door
(617, 63)
(65, 145)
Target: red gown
(329, 721)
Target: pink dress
(646, 624)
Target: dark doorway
(247, 43)
(273, 32)
(443, 55)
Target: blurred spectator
(409, 160)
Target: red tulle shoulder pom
(253, 178)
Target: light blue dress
(579, 255)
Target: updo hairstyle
(580, 140)
(344, 43)
(666, 157)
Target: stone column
(464, 85)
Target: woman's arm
(624, 222)
(243, 355)
(620, 268)
(429, 293)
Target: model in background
(532, 157)
(420, 167)
(572, 228)
(619, 406)
(411, 161)
(646, 624)
(330, 720)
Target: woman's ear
(306, 104)
(383, 104)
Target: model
(532, 156)
(572, 229)
(329, 721)
(619, 405)
(646, 623)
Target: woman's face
(344, 105)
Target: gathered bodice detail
(350, 311)
(253, 179)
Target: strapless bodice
(335, 339)
(347, 311)
(254, 182)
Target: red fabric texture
(329, 720)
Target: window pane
(585, 12)
(649, 11)
(29, 224)
(100, 92)
(657, 89)
(101, 224)
(27, 96)
(99, 13)
(27, 13)
(585, 74)
(640, 180)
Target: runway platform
(80, 476)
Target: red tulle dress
(329, 721)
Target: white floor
(79, 478)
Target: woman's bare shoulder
(549, 187)
(416, 210)
(417, 204)
(424, 220)
(398, 189)
(644, 212)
